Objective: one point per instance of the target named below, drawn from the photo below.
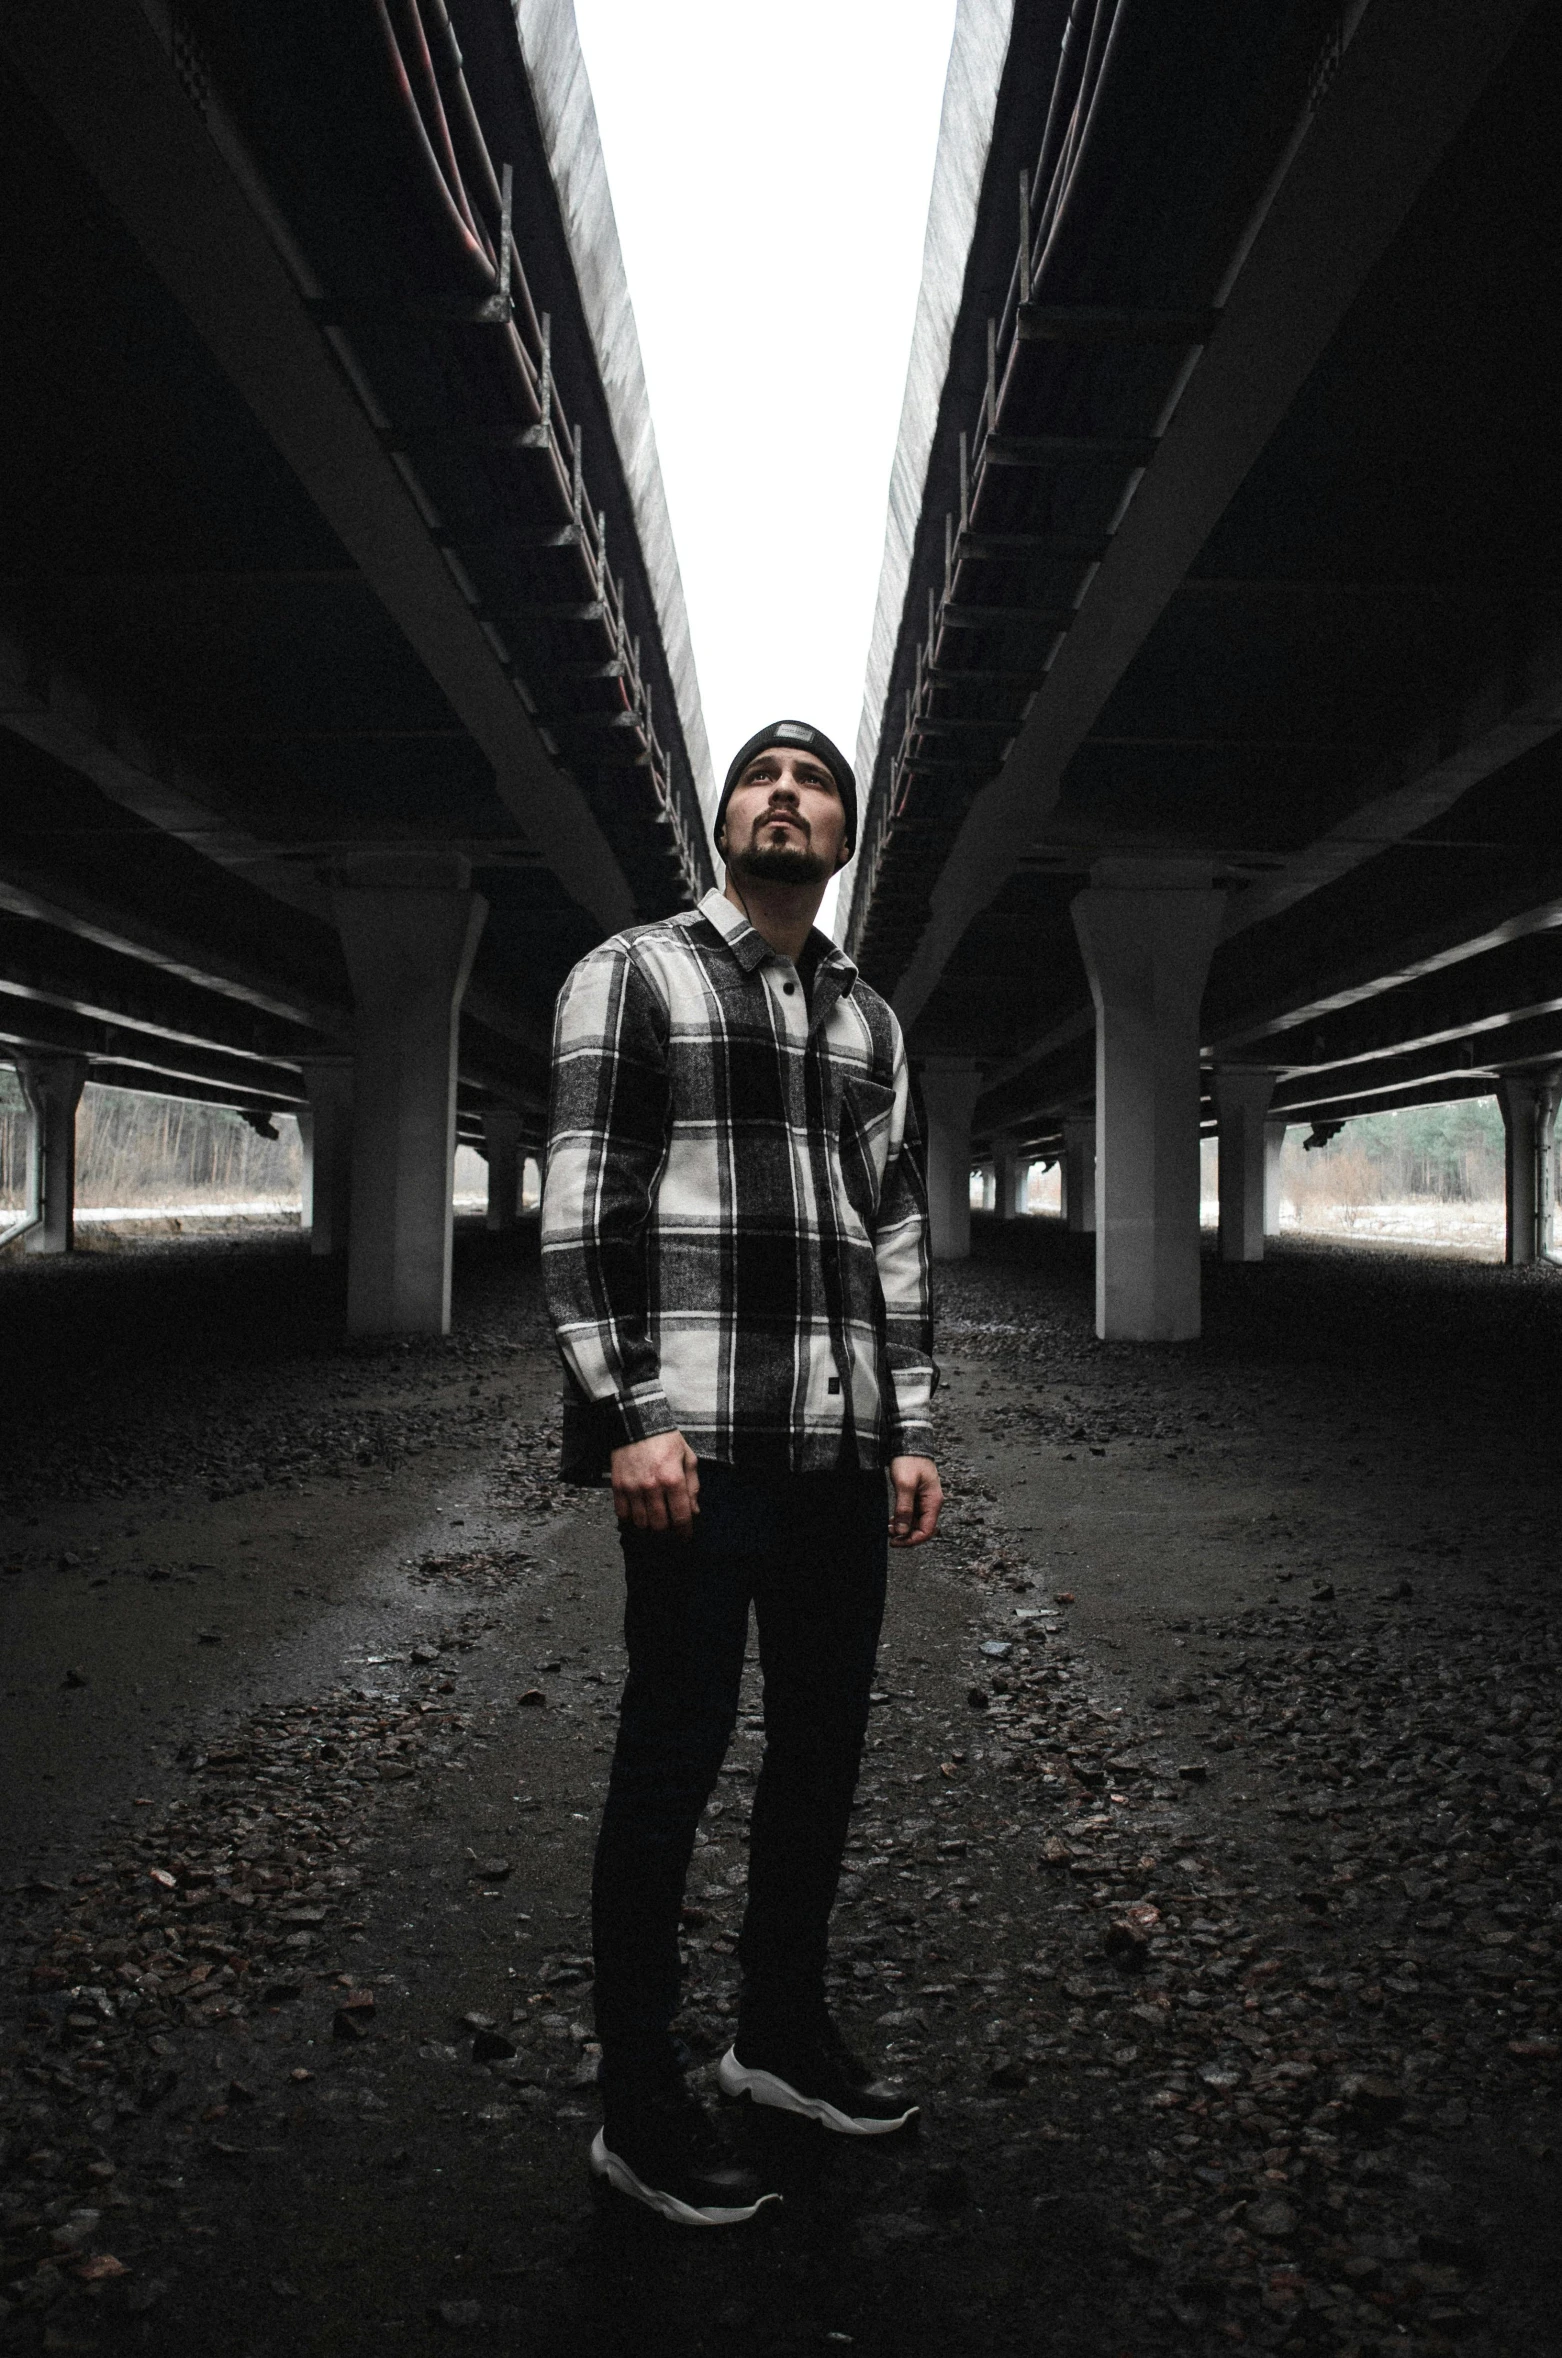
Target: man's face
(786, 822)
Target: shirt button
(789, 990)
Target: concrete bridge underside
(345, 685)
(1213, 726)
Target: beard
(781, 863)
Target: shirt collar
(750, 947)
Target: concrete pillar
(949, 1087)
(325, 1126)
(1148, 930)
(1011, 1170)
(1274, 1146)
(1242, 1097)
(1547, 1099)
(1519, 1097)
(409, 942)
(502, 1146)
(52, 1086)
(1079, 1173)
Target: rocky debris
(1276, 2017)
(1317, 1988)
(203, 1922)
(1261, 2057)
(491, 1571)
(1127, 1940)
(179, 1412)
(528, 1480)
(354, 2016)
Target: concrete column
(502, 1146)
(1148, 930)
(1011, 1169)
(1079, 1173)
(1519, 1097)
(1242, 1097)
(1274, 1146)
(409, 943)
(1548, 1099)
(949, 1087)
(325, 1125)
(52, 1086)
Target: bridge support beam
(1242, 1095)
(52, 1086)
(325, 1129)
(1529, 1104)
(1148, 931)
(1274, 1147)
(1519, 1097)
(1548, 1102)
(1011, 1170)
(409, 948)
(949, 1086)
(1079, 1173)
(502, 1147)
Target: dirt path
(1206, 1873)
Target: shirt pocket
(867, 1110)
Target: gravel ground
(1206, 1876)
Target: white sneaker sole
(765, 2088)
(606, 2164)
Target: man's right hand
(656, 1484)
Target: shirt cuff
(625, 1418)
(911, 1423)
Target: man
(735, 1250)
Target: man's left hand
(919, 1494)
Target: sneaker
(812, 2072)
(661, 2148)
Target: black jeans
(810, 1552)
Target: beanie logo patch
(793, 733)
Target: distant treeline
(140, 1150)
(135, 1149)
(1452, 1153)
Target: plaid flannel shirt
(734, 1230)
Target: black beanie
(795, 732)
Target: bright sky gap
(770, 172)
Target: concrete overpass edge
(556, 70)
(976, 62)
(1402, 91)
